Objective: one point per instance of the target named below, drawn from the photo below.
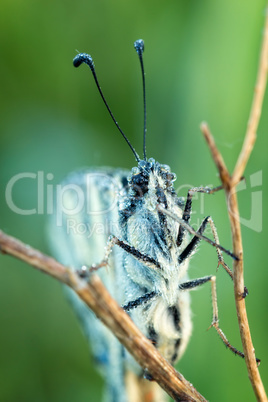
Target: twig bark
(95, 295)
(229, 183)
(218, 159)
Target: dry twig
(95, 295)
(229, 183)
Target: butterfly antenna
(139, 47)
(87, 59)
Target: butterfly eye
(139, 184)
(138, 179)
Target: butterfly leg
(195, 240)
(189, 249)
(220, 256)
(189, 285)
(188, 207)
(147, 260)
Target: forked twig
(95, 295)
(229, 183)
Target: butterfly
(138, 227)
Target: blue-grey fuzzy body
(90, 206)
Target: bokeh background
(201, 60)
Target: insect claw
(244, 294)
(147, 375)
(83, 272)
(215, 324)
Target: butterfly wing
(85, 215)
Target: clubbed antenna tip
(87, 59)
(139, 46)
(83, 58)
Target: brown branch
(218, 159)
(95, 295)
(238, 276)
(229, 184)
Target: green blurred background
(201, 61)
